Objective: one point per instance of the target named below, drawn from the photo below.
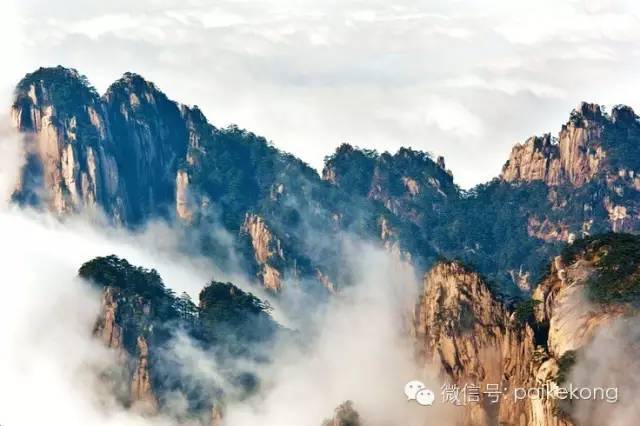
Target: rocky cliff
(266, 248)
(536, 159)
(592, 165)
(583, 149)
(408, 183)
(464, 329)
(134, 155)
(71, 161)
(149, 328)
(118, 153)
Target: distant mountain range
(499, 305)
(135, 155)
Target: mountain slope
(463, 329)
(157, 335)
(135, 155)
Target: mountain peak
(623, 114)
(134, 80)
(65, 88)
(587, 145)
(49, 75)
(134, 86)
(587, 111)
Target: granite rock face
(154, 334)
(579, 153)
(133, 156)
(266, 248)
(460, 326)
(536, 159)
(118, 153)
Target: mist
(11, 160)
(359, 348)
(356, 347)
(49, 363)
(609, 361)
(361, 353)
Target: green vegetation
(524, 312)
(492, 218)
(233, 172)
(147, 309)
(69, 92)
(616, 257)
(565, 364)
(112, 271)
(66, 89)
(620, 139)
(353, 168)
(229, 325)
(226, 314)
(345, 415)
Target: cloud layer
(357, 348)
(457, 78)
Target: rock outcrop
(461, 327)
(71, 162)
(564, 304)
(133, 155)
(536, 159)
(106, 327)
(183, 208)
(216, 416)
(406, 183)
(117, 153)
(549, 231)
(147, 327)
(109, 330)
(575, 158)
(266, 249)
(151, 138)
(142, 396)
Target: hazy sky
(465, 79)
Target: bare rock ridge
(118, 153)
(267, 249)
(578, 154)
(462, 328)
(135, 359)
(142, 393)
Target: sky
(460, 78)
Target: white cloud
(48, 359)
(101, 25)
(507, 85)
(48, 362)
(361, 351)
(11, 161)
(310, 75)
